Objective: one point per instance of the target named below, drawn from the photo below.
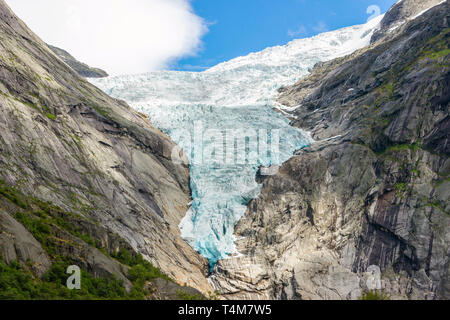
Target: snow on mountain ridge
(239, 96)
(349, 39)
(248, 80)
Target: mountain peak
(400, 13)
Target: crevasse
(224, 119)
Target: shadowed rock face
(63, 140)
(372, 191)
(81, 68)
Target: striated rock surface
(18, 244)
(64, 141)
(400, 13)
(81, 68)
(371, 196)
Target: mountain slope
(372, 194)
(233, 97)
(64, 141)
(81, 68)
(400, 13)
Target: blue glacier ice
(224, 119)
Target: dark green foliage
(16, 283)
(140, 272)
(140, 269)
(43, 219)
(13, 195)
(50, 116)
(186, 296)
(374, 295)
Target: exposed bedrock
(63, 140)
(372, 194)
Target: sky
(136, 36)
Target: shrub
(374, 295)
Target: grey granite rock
(17, 244)
(372, 193)
(81, 68)
(400, 13)
(63, 140)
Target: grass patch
(400, 147)
(374, 295)
(17, 283)
(42, 220)
(436, 55)
(437, 205)
(186, 296)
(140, 272)
(13, 195)
(31, 105)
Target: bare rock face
(367, 206)
(63, 140)
(165, 290)
(17, 244)
(81, 68)
(400, 13)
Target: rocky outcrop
(64, 141)
(400, 13)
(371, 196)
(18, 244)
(81, 68)
(166, 290)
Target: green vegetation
(50, 116)
(437, 205)
(13, 195)
(42, 108)
(186, 296)
(102, 112)
(401, 188)
(140, 272)
(400, 147)
(43, 219)
(436, 55)
(436, 47)
(386, 91)
(17, 283)
(374, 295)
(31, 105)
(140, 269)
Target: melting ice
(224, 120)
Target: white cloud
(301, 30)
(320, 27)
(120, 36)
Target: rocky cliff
(400, 13)
(76, 164)
(371, 196)
(81, 68)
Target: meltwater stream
(223, 118)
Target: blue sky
(181, 34)
(238, 27)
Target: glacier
(226, 122)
